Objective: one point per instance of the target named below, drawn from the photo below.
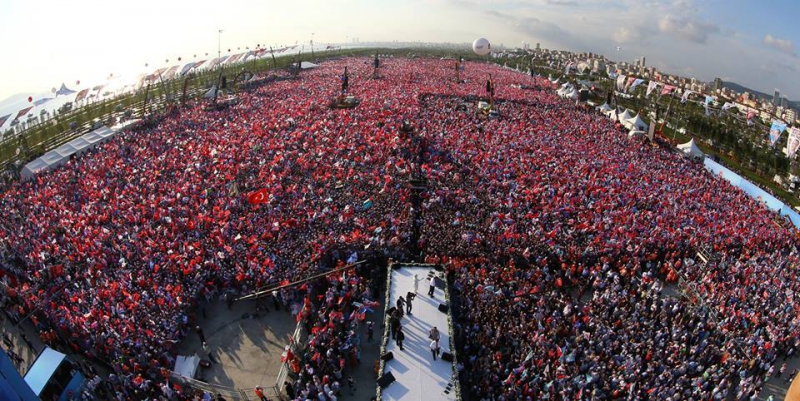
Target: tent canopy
(690, 149)
(604, 108)
(636, 122)
(636, 133)
(63, 91)
(624, 116)
(60, 155)
(211, 92)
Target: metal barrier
(298, 339)
(197, 386)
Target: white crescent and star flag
(685, 97)
(620, 82)
(651, 87)
(635, 83)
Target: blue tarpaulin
(753, 190)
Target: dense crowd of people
(558, 227)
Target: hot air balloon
(30, 99)
(481, 46)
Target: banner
(791, 147)
(630, 81)
(775, 131)
(23, 112)
(620, 82)
(635, 84)
(728, 106)
(82, 94)
(667, 90)
(651, 87)
(709, 99)
(3, 119)
(685, 96)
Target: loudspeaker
(446, 356)
(224, 83)
(387, 357)
(386, 380)
(443, 308)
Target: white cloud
(687, 28)
(783, 45)
(632, 34)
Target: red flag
(257, 197)
(23, 112)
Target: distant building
(717, 84)
(537, 46)
(784, 102)
(776, 97)
(642, 64)
(791, 116)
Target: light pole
(616, 61)
(219, 42)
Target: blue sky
(48, 42)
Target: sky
(48, 42)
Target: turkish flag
(257, 197)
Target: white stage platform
(418, 376)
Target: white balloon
(481, 46)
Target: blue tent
(64, 90)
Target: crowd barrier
(753, 190)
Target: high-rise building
(537, 46)
(642, 64)
(784, 102)
(717, 84)
(776, 97)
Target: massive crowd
(557, 226)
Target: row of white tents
(62, 154)
(625, 118)
(567, 91)
(638, 128)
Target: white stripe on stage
(418, 376)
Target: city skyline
(751, 44)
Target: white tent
(211, 92)
(612, 115)
(60, 155)
(690, 149)
(624, 116)
(635, 133)
(305, 65)
(605, 108)
(635, 122)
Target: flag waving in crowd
(258, 197)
